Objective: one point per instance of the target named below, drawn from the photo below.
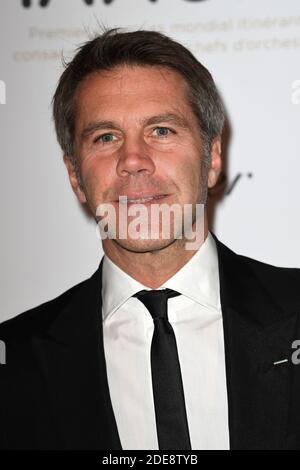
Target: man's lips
(141, 198)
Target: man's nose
(134, 158)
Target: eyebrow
(168, 117)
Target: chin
(143, 245)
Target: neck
(152, 268)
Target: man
(163, 347)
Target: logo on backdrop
(45, 3)
(232, 185)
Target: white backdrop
(252, 49)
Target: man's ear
(215, 162)
(73, 180)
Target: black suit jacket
(54, 391)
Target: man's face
(136, 136)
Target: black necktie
(170, 412)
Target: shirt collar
(198, 279)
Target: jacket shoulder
(282, 284)
(40, 317)
(256, 265)
(271, 272)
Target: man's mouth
(140, 200)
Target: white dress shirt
(196, 319)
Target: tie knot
(156, 301)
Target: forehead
(131, 86)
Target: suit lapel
(72, 362)
(257, 334)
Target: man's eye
(162, 131)
(105, 138)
